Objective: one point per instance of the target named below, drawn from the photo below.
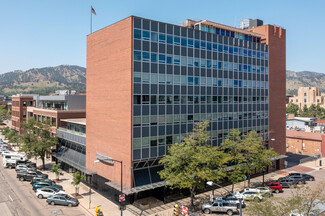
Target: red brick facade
(19, 111)
(305, 143)
(275, 37)
(109, 100)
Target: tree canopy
(191, 163)
(37, 140)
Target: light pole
(211, 183)
(111, 161)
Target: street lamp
(211, 183)
(111, 161)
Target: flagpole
(91, 20)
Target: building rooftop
(80, 121)
(304, 135)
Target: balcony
(70, 135)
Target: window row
(171, 79)
(196, 62)
(197, 44)
(153, 141)
(196, 99)
(184, 118)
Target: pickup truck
(217, 206)
(29, 175)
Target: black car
(38, 179)
(29, 175)
(307, 177)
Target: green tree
(263, 158)
(304, 112)
(194, 161)
(232, 146)
(55, 168)
(77, 179)
(292, 108)
(37, 140)
(4, 113)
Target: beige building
(308, 96)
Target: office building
(308, 96)
(149, 82)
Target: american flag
(93, 10)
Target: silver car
(217, 206)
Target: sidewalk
(106, 206)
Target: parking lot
(17, 198)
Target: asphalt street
(18, 199)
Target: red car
(275, 186)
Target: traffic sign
(59, 170)
(245, 177)
(121, 198)
(184, 210)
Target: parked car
(231, 200)
(21, 167)
(39, 179)
(248, 195)
(46, 184)
(307, 177)
(275, 186)
(48, 191)
(264, 191)
(62, 200)
(31, 164)
(29, 175)
(9, 164)
(299, 179)
(217, 206)
(287, 182)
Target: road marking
(11, 198)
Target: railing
(71, 135)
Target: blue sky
(39, 33)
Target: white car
(264, 191)
(48, 191)
(248, 195)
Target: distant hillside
(304, 79)
(43, 80)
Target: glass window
(169, 79)
(145, 35)
(183, 61)
(176, 99)
(197, 44)
(183, 79)
(145, 99)
(153, 120)
(190, 42)
(145, 141)
(153, 99)
(137, 56)
(145, 56)
(154, 57)
(190, 61)
(220, 49)
(162, 99)
(145, 120)
(137, 77)
(145, 77)
(225, 49)
(162, 140)
(153, 141)
(203, 81)
(196, 81)
(154, 36)
(154, 78)
(184, 42)
(162, 58)
(208, 63)
(162, 79)
(203, 45)
(169, 119)
(177, 118)
(137, 33)
(169, 59)
(209, 46)
(197, 62)
(162, 38)
(169, 39)
(190, 80)
(176, 60)
(214, 47)
(136, 99)
(176, 40)
(203, 62)
(177, 79)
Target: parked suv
(46, 184)
(217, 206)
(39, 179)
(305, 176)
(248, 195)
(48, 191)
(231, 200)
(29, 175)
(275, 186)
